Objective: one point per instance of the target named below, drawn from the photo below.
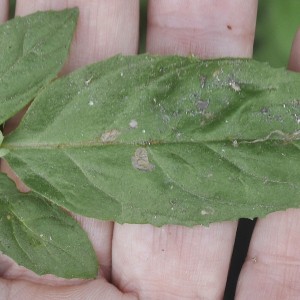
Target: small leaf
(38, 235)
(32, 52)
(164, 140)
(3, 151)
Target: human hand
(172, 262)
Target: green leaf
(32, 52)
(2, 151)
(38, 235)
(164, 140)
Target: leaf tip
(3, 152)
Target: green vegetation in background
(277, 24)
(12, 7)
(143, 25)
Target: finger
(294, 61)
(4, 4)
(104, 28)
(208, 29)
(271, 270)
(175, 260)
(91, 290)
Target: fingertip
(4, 4)
(294, 61)
(207, 29)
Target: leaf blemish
(133, 124)
(202, 105)
(235, 86)
(109, 136)
(202, 78)
(297, 119)
(209, 211)
(140, 160)
(88, 81)
(235, 143)
(264, 110)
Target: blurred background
(277, 24)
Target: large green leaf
(164, 140)
(41, 237)
(32, 52)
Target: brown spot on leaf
(202, 105)
(264, 110)
(202, 78)
(140, 160)
(109, 136)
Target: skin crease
(172, 262)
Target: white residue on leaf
(166, 118)
(294, 135)
(215, 73)
(109, 136)
(133, 124)
(209, 211)
(235, 86)
(88, 81)
(235, 143)
(209, 175)
(202, 78)
(140, 160)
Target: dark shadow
(240, 249)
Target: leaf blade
(33, 49)
(200, 124)
(41, 237)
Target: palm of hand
(172, 262)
